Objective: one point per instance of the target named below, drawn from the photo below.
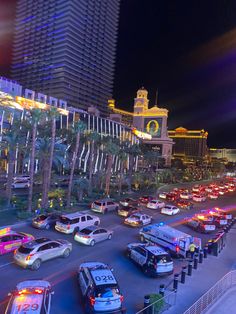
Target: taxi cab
(153, 260)
(10, 240)
(31, 296)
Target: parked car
(201, 223)
(32, 254)
(153, 260)
(92, 235)
(185, 204)
(138, 219)
(199, 198)
(74, 222)
(170, 210)
(129, 202)
(30, 296)
(127, 211)
(162, 195)
(104, 206)
(145, 199)
(186, 195)
(45, 221)
(213, 195)
(23, 184)
(155, 204)
(172, 196)
(100, 289)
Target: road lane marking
(1, 266)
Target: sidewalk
(225, 304)
(207, 274)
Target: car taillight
(121, 298)
(86, 237)
(29, 257)
(92, 301)
(177, 249)
(22, 291)
(68, 227)
(38, 291)
(15, 251)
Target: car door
(97, 235)
(138, 255)
(103, 234)
(145, 219)
(110, 206)
(17, 240)
(56, 249)
(6, 244)
(44, 252)
(83, 222)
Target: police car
(138, 219)
(31, 296)
(11, 240)
(99, 289)
(153, 260)
(201, 223)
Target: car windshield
(135, 216)
(107, 291)
(86, 231)
(154, 202)
(25, 250)
(41, 217)
(98, 203)
(65, 220)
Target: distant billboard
(153, 126)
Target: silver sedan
(92, 235)
(33, 253)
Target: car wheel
(66, 253)
(47, 227)
(96, 223)
(92, 243)
(128, 253)
(36, 264)
(110, 236)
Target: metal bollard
(190, 267)
(201, 256)
(162, 290)
(195, 261)
(205, 250)
(183, 274)
(197, 250)
(147, 303)
(176, 280)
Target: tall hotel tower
(66, 49)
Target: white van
(172, 240)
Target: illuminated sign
(153, 126)
(142, 135)
(8, 101)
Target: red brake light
(29, 257)
(68, 227)
(92, 301)
(121, 298)
(22, 291)
(38, 291)
(14, 251)
(177, 249)
(86, 237)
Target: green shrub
(159, 301)
(23, 214)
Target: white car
(20, 185)
(213, 196)
(186, 195)
(138, 219)
(199, 198)
(170, 210)
(155, 204)
(21, 178)
(162, 195)
(196, 188)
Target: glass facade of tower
(66, 49)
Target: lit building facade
(152, 121)
(66, 49)
(13, 96)
(227, 154)
(189, 143)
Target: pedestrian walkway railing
(208, 299)
(160, 305)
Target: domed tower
(141, 101)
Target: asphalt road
(61, 273)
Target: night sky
(185, 48)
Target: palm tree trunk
(108, 174)
(45, 183)
(73, 163)
(131, 165)
(91, 159)
(121, 176)
(32, 160)
(47, 176)
(11, 166)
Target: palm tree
(111, 148)
(77, 129)
(43, 146)
(36, 116)
(92, 138)
(81, 186)
(133, 151)
(122, 157)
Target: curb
(18, 224)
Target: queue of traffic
(159, 243)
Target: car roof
(33, 284)
(155, 250)
(103, 276)
(36, 242)
(92, 228)
(105, 200)
(73, 215)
